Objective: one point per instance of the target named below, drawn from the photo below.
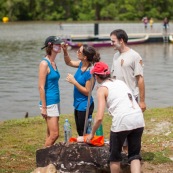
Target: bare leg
(125, 149)
(135, 166)
(52, 130)
(115, 167)
(125, 146)
(48, 133)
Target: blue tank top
(81, 100)
(52, 93)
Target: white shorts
(53, 110)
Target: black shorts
(134, 144)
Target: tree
(85, 10)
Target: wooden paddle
(88, 104)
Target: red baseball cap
(100, 68)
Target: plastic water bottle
(89, 125)
(67, 130)
(99, 131)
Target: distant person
(60, 26)
(145, 21)
(49, 88)
(87, 56)
(151, 21)
(128, 66)
(165, 24)
(127, 118)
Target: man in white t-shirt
(128, 66)
(127, 118)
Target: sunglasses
(78, 51)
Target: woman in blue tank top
(87, 56)
(49, 88)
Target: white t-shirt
(126, 66)
(122, 106)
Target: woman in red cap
(127, 118)
(49, 88)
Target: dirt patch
(160, 128)
(160, 168)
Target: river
(20, 55)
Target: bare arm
(102, 93)
(83, 89)
(43, 70)
(141, 86)
(67, 58)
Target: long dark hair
(92, 55)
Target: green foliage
(84, 10)
(109, 12)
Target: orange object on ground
(96, 140)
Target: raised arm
(67, 58)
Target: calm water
(20, 55)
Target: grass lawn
(19, 139)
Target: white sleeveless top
(122, 106)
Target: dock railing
(106, 28)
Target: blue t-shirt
(81, 100)
(52, 92)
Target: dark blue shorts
(134, 144)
